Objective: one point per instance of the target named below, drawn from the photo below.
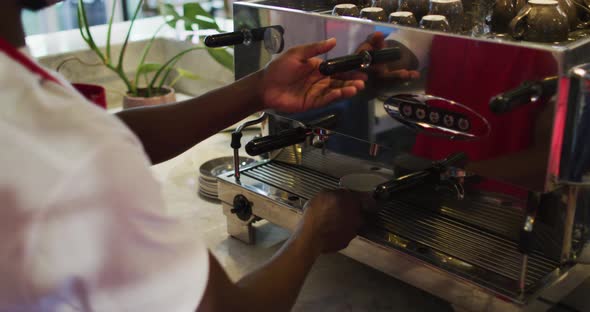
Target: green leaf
(126, 42)
(148, 68)
(222, 57)
(195, 14)
(146, 50)
(187, 74)
(171, 63)
(169, 13)
(109, 31)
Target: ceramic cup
(389, 6)
(503, 11)
(403, 18)
(540, 21)
(374, 14)
(346, 9)
(451, 9)
(435, 22)
(363, 3)
(420, 8)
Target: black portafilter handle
(225, 39)
(431, 175)
(456, 160)
(526, 93)
(277, 141)
(386, 190)
(239, 37)
(357, 61)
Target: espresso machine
(480, 142)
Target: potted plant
(153, 89)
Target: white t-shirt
(82, 221)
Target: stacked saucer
(213, 168)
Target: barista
(82, 223)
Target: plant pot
(165, 96)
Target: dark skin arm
(329, 223)
(291, 83)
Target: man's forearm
(272, 287)
(168, 130)
(276, 285)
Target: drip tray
(445, 237)
(460, 247)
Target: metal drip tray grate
(462, 240)
(450, 229)
(298, 180)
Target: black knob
(225, 39)
(456, 160)
(387, 190)
(272, 35)
(341, 64)
(527, 92)
(385, 55)
(358, 61)
(242, 208)
(274, 142)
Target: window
(63, 16)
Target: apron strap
(93, 93)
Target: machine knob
(242, 208)
(280, 140)
(527, 92)
(272, 37)
(358, 61)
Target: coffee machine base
(462, 274)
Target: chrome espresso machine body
(480, 139)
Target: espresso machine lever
(445, 170)
(271, 36)
(361, 60)
(527, 92)
(291, 136)
(273, 142)
(236, 136)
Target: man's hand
(333, 219)
(293, 83)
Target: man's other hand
(333, 219)
(293, 83)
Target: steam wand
(525, 245)
(236, 136)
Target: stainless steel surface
(523, 273)
(221, 165)
(465, 242)
(297, 180)
(237, 135)
(566, 251)
(439, 60)
(524, 160)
